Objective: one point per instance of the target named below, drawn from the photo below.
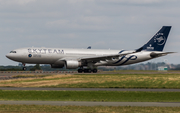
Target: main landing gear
(87, 70)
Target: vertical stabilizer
(157, 42)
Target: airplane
(87, 60)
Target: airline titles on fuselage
(46, 51)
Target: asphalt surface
(72, 103)
(89, 89)
(6, 75)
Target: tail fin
(157, 42)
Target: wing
(102, 57)
(95, 58)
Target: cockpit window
(13, 52)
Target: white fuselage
(53, 55)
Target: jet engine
(72, 64)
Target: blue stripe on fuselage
(128, 58)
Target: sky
(101, 24)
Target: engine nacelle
(72, 64)
(57, 65)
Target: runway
(89, 89)
(73, 103)
(4, 75)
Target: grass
(84, 109)
(107, 96)
(166, 80)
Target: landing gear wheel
(24, 68)
(94, 70)
(80, 70)
(87, 70)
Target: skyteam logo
(29, 55)
(160, 39)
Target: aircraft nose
(11, 56)
(8, 55)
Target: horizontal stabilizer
(159, 54)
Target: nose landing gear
(24, 68)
